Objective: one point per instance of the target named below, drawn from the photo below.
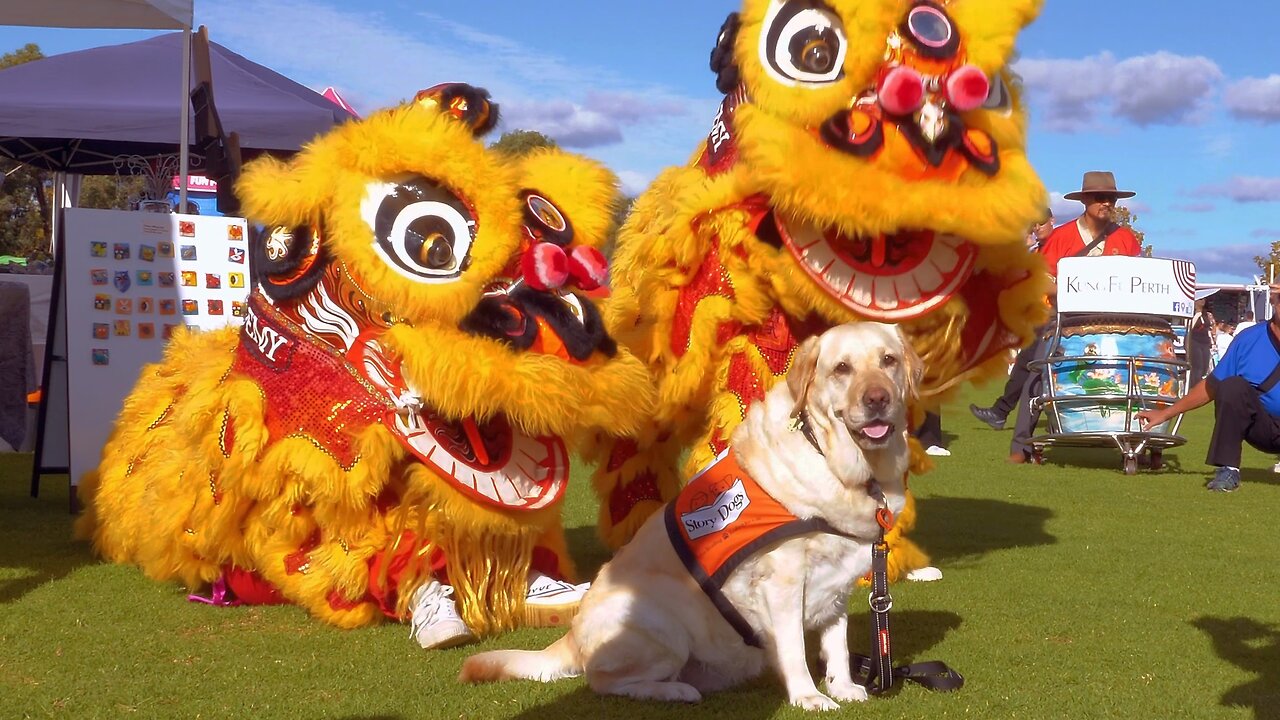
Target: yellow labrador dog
(827, 446)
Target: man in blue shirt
(1245, 390)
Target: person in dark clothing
(998, 413)
(1200, 342)
(1245, 391)
(930, 435)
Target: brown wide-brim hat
(1098, 182)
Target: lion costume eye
(420, 229)
(803, 43)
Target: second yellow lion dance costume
(868, 162)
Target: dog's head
(859, 376)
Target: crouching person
(1245, 398)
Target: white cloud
(1156, 89)
(1254, 98)
(1195, 207)
(378, 60)
(633, 183)
(1163, 88)
(1244, 189)
(1233, 261)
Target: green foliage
(1269, 264)
(1124, 217)
(24, 54)
(1070, 591)
(518, 143)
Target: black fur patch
(722, 64)
(269, 274)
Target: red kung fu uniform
(1065, 241)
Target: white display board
(1119, 284)
(130, 279)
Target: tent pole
(184, 137)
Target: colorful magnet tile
(168, 306)
(122, 281)
(146, 277)
(101, 356)
(146, 305)
(146, 331)
(121, 251)
(123, 328)
(124, 306)
(164, 249)
(101, 302)
(187, 228)
(213, 281)
(97, 249)
(215, 307)
(235, 279)
(101, 331)
(237, 309)
(190, 307)
(147, 252)
(235, 233)
(98, 276)
(166, 279)
(188, 278)
(236, 255)
(188, 252)
(167, 332)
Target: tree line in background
(26, 193)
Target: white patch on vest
(720, 514)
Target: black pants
(930, 431)
(1239, 417)
(1025, 426)
(1008, 399)
(1198, 355)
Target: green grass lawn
(1071, 591)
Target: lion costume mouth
(491, 461)
(883, 277)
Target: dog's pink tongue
(875, 431)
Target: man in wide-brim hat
(1093, 233)
(1099, 194)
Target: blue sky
(1183, 105)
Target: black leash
(878, 669)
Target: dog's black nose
(876, 399)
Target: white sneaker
(1276, 468)
(551, 602)
(937, 450)
(435, 622)
(925, 574)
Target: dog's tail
(559, 660)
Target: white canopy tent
(116, 14)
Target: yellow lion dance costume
(867, 163)
(400, 404)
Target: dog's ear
(914, 365)
(804, 365)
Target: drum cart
(1101, 367)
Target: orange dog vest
(722, 518)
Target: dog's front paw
(815, 701)
(846, 690)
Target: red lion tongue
(876, 430)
